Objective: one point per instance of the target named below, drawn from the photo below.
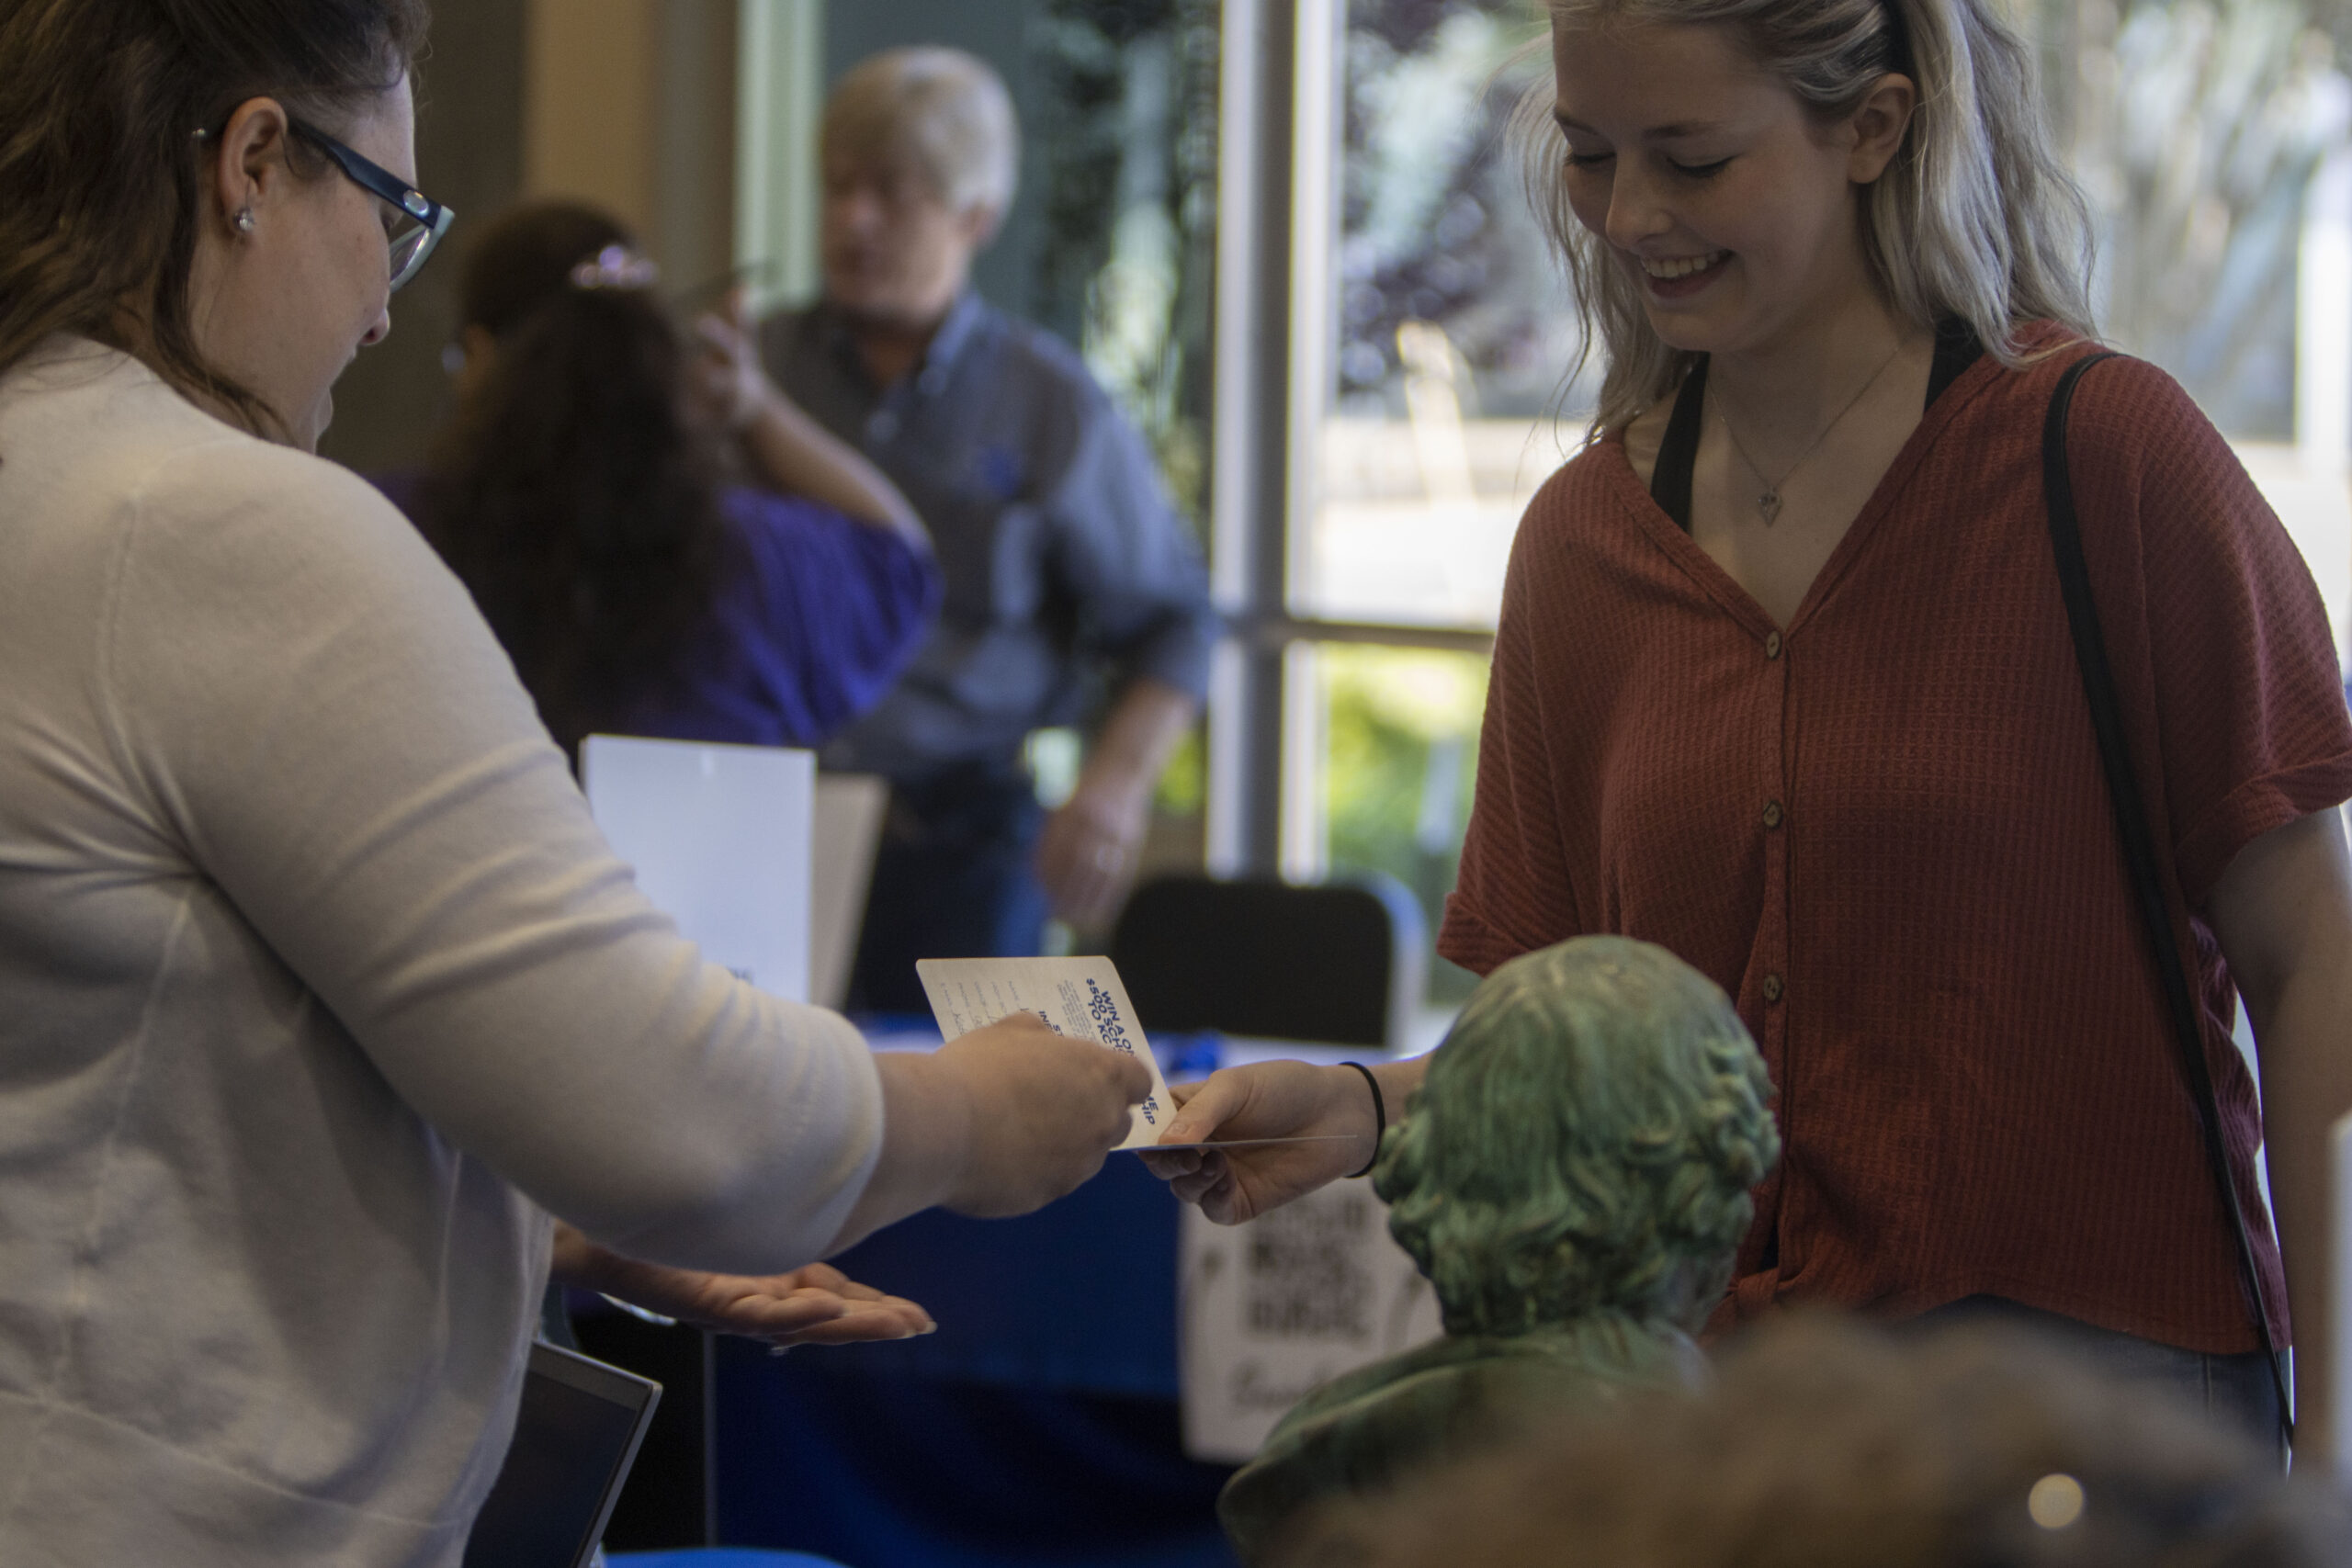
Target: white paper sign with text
(1274, 1309)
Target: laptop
(575, 1438)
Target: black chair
(1340, 964)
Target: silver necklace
(1768, 504)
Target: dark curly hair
(100, 173)
(575, 494)
(1584, 1141)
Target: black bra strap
(1677, 450)
(1956, 350)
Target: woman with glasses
(320, 993)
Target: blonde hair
(1976, 218)
(943, 110)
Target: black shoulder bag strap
(2140, 847)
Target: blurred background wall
(470, 154)
(629, 104)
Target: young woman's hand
(1273, 1100)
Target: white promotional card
(1077, 996)
(719, 838)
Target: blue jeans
(2232, 1390)
(952, 879)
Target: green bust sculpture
(1573, 1178)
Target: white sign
(719, 836)
(851, 808)
(1274, 1309)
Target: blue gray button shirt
(1069, 574)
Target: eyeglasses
(422, 220)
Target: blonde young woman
(1784, 684)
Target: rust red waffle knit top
(1884, 831)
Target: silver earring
(243, 220)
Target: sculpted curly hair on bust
(1573, 1178)
(1585, 1143)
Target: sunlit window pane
(2210, 140)
(1399, 730)
(1454, 338)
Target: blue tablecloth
(1080, 1296)
(1039, 1424)
(895, 1471)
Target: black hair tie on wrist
(1379, 1119)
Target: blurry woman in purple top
(583, 495)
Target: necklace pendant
(1768, 506)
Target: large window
(1429, 342)
(1449, 342)
(1392, 378)
(1392, 758)
(1432, 356)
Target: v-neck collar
(1672, 475)
(1709, 574)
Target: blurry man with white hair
(1075, 593)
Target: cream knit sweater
(319, 989)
